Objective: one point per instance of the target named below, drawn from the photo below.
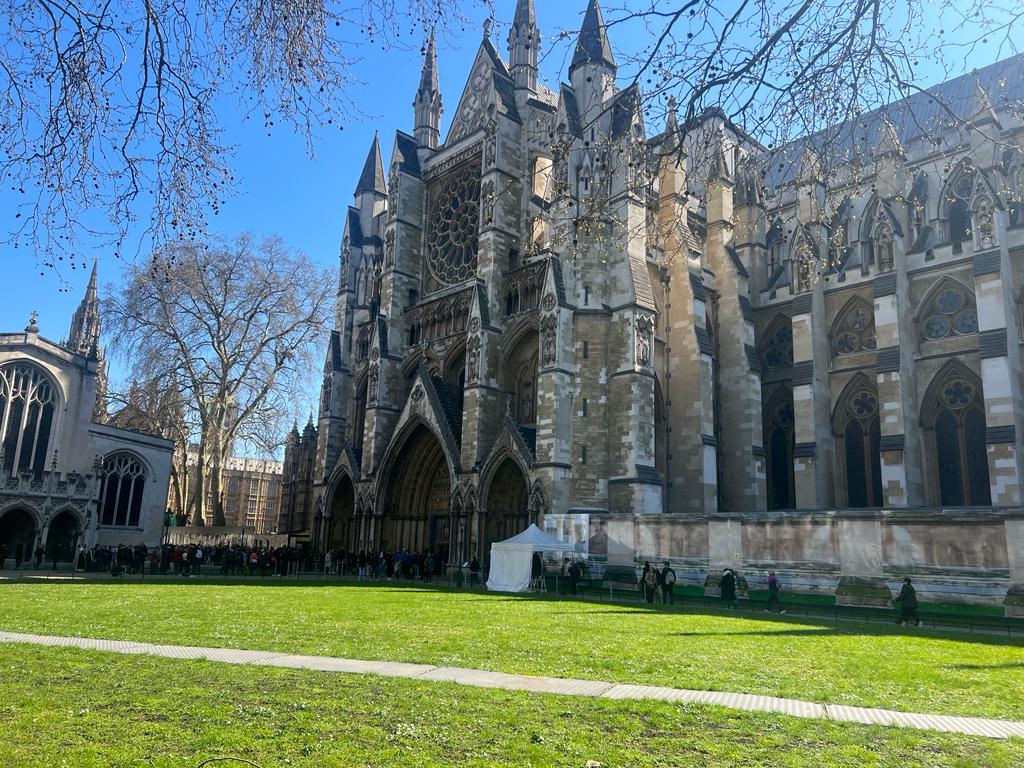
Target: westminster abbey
(665, 347)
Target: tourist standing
(474, 572)
(39, 557)
(574, 576)
(727, 587)
(774, 585)
(649, 581)
(907, 599)
(536, 568)
(667, 579)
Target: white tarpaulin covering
(511, 559)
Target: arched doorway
(417, 502)
(62, 537)
(18, 528)
(341, 531)
(505, 510)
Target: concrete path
(478, 678)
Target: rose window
(779, 350)
(957, 394)
(453, 219)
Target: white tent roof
(539, 541)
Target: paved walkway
(478, 678)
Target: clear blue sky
(283, 191)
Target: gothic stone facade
(66, 478)
(554, 317)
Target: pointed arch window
(954, 415)
(950, 311)
(27, 407)
(958, 211)
(854, 330)
(779, 442)
(857, 431)
(773, 243)
(122, 490)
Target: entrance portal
(62, 538)
(417, 503)
(341, 532)
(506, 507)
(18, 528)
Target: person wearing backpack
(650, 581)
(667, 580)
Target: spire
(671, 142)
(427, 104)
(84, 335)
(592, 45)
(372, 177)
(524, 45)
(982, 109)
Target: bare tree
(232, 329)
(793, 80)
(110, 110)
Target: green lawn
(864, 665)
(65, 708)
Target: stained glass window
(950, 313)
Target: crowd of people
(427, 565)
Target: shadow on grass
(1009, 665)
(877, 625)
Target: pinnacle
(592, 45)
(372, 177)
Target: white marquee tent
(511, 559)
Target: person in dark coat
(574, 576)
(536, 569)
(649, 581)
(474, 572)
(40, 553)
(774, 585)
(667, 582)
(727, 587)
(907, 599)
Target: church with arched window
(697, 347)
(68, 479)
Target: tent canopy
(511, 559)
(538, 540)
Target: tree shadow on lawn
(1009, 665)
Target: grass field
(863, 665)
(64, 708)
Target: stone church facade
(68, 478)
(680, 346)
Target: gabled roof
(625, 108)
(353, 227)
(408, 157)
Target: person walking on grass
(907, 599)
(727, 587)
(774, 585)
(667, 581)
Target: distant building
(66, 479)
(251, 494)
(297, 485)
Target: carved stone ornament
(375, 354)
(474, 324)
(372, 386)
(548, 339)
(473, 360)
(487, 203)
(389, 249)
(985, 223)
(550, 301)
(490, 142)
(644, 326)
(417, 394)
